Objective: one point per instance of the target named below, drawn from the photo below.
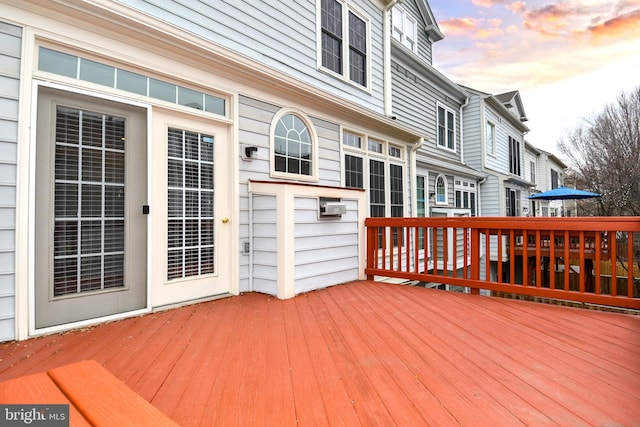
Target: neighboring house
(494, 144)
(156, 153)
(430, 103)
(547, 171)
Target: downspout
(466, 102)
(413, 173)
(388, 111)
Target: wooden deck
(364, 353)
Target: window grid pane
(191, 188)
(293, 146)
(89, 173)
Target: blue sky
(567, 58)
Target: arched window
(441, 190)
(293, 146)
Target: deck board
(364, 353)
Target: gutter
(388, 110)
(413, 172)
(466, 102)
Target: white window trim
(314, 147)
(493, 137)
(403, 30)
(346, 8)
(367, 155)
(446, 110)
(446, 190)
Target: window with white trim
(446, 128)
(532, 171)
(190, 182)
(465, 195)
(514, 156)
(293, 146)
(383, 176)
(441, 190)
(405, 28)
(490, 138)
(512, 202)
(344, 41)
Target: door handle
(225, 220)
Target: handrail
(583, 259)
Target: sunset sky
(567, 58)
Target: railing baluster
(552, 260)
(630, 265)
(500, 260)
(613, 247)
(596, 263)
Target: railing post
(372, 236)
(475, 258)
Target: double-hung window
(405, 28)
(514, 156)
(446, 128)
(490, 138)
(344, 41)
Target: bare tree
(605, 155)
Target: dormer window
(405, 29)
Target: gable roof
(512, 99)
(431, 26)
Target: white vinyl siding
(265, 244)
(10, 60)
(282, 36)
(326, 251)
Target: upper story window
(441, 190)
(405, 28)
(514, 156)
(446, 128)
(490, 138)
(293, 147)
(344, 41)
(532, 171)
(554, 179)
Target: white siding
(281, 35)
(10, 50)
(326, 250)
(265, 241)
(473, 133)
(255, 119)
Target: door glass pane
(190, 203)
(88, 201)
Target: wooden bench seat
(94, 395)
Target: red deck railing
(585, 259)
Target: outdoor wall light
(249, 152)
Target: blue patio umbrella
(564, 193)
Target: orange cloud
(487, 33)
(488, 3)
(625, 26)
(517, 7)
(458, 26)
